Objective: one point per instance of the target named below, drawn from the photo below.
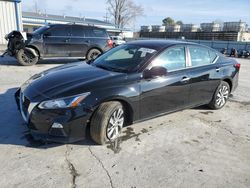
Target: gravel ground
(191, 148)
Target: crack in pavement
(100, 162)
(71, 167)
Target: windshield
(124, 58)
(41, 29)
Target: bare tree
(124, 12)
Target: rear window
(95, 32)
(77, 31)
(60, 30)
(213, 55)
(199, 56)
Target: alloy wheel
(222, 96)
(115, 124)
(27, 57)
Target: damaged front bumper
(61, 125)
(16, 41)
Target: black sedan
(133, 82)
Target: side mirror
(154, 72)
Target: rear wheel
(26, 58)
(93, 54)
(107, 122)
(220, 96)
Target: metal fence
(218, 45)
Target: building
(158, 28)
(173, 28)
(10, 18)
(235, 26)
(210, 27)
(189, 28)
(146, 28)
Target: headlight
(66, 102)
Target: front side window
(60, 30)
(124, 58)
(199, 56)
(171, 59)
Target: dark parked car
(244, 53)
(58, 40)
(132, 82)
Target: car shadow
(11, 61)
(13, 130)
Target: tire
(93, 53)
(101, 123)
(220, 97)
(26, 58)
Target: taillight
(237, 65)
(110, 43)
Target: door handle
(217, 69)
(67, 40)
(185, 79)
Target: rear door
(97, 37)
(167, 93)
(56, 41)
(203, 74)
(79, 44)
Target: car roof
(70, 24)
(160, 44)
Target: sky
(189, 11)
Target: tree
(124, 12)
(168, 21)
(179, 22)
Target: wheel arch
(35, 48)
(230, 82)
(125, 103)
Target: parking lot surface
(192, 148)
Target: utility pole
(106, 17)
(36, 9)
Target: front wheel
(221, 96)
(107, 122)
(26, 58)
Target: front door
(57, 41)
(168, 93)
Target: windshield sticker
(145, 51)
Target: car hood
(66, 80)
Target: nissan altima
(130, 83)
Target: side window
(172, 59)
(199, 56)
(99, 32)
(213, 55)
(77, 31)
(60, 30)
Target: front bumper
(41, 123)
